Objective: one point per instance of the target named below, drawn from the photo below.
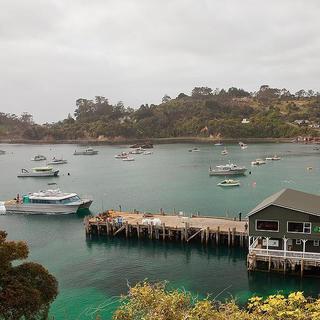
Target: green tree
(26, 289)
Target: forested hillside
(270, 112)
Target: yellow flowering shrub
(147, 301)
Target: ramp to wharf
(163, 226)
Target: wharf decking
(160, 226)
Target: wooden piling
(127, 229)
(207, 235)
(269, 264)
(229, 237)
(302, 268)
(138, 230)
(217, 236)
(233, 236)
(163, 231)
(202, 235)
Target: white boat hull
(227, 173)
(41, 208)
(54, 173)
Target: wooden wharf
(161, 226)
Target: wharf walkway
(162, 226)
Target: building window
(267, 225)
(298, 241)
(299, 227)
(316, 243)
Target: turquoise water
(92, 274)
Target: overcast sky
(55, 51)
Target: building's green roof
(291, 199)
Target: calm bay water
(92, 274)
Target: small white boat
(258, 162)
(39, 172)
(122, 155)
(195, 149)
(128, 159)
(86, 152)
(137, 151)
(274, 158)
(55, 161)
(47, 202)
(229, 183)
(224, 152)
(218, 144)
(38, 157)
(147, 153)
(243, 146)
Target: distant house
(301, 122)
(245, 121)
(286, 226)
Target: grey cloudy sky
(55, 51)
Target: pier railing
(286, 254)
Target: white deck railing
(286, 254)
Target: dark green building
(286, 228)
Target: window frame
(298, 243)
(303, 223)
(268, 220)
(316, 243)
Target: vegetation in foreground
(152, 301)
(26, 289)
(271, 113)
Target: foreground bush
(153, 301)
(26, 289)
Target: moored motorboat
(47, 202)
(128, 159)
(229, 183)
(87, 152)
(137, 151)
(195, 149)
(2, 152)
(274, 158)
(39, 172)
(147, 153)
(258, 162)
(218, 144)
(38, 157)
(227, 170)
(55, 161)
(224, 152)
(243, 146)
(122, 155)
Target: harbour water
(93, 273)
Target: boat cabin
(287, 225)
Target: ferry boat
(86, 152)
(227, 170)
(229, 183)
(38, 157)
(57, 161)
(47, 202)
(39, 172)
